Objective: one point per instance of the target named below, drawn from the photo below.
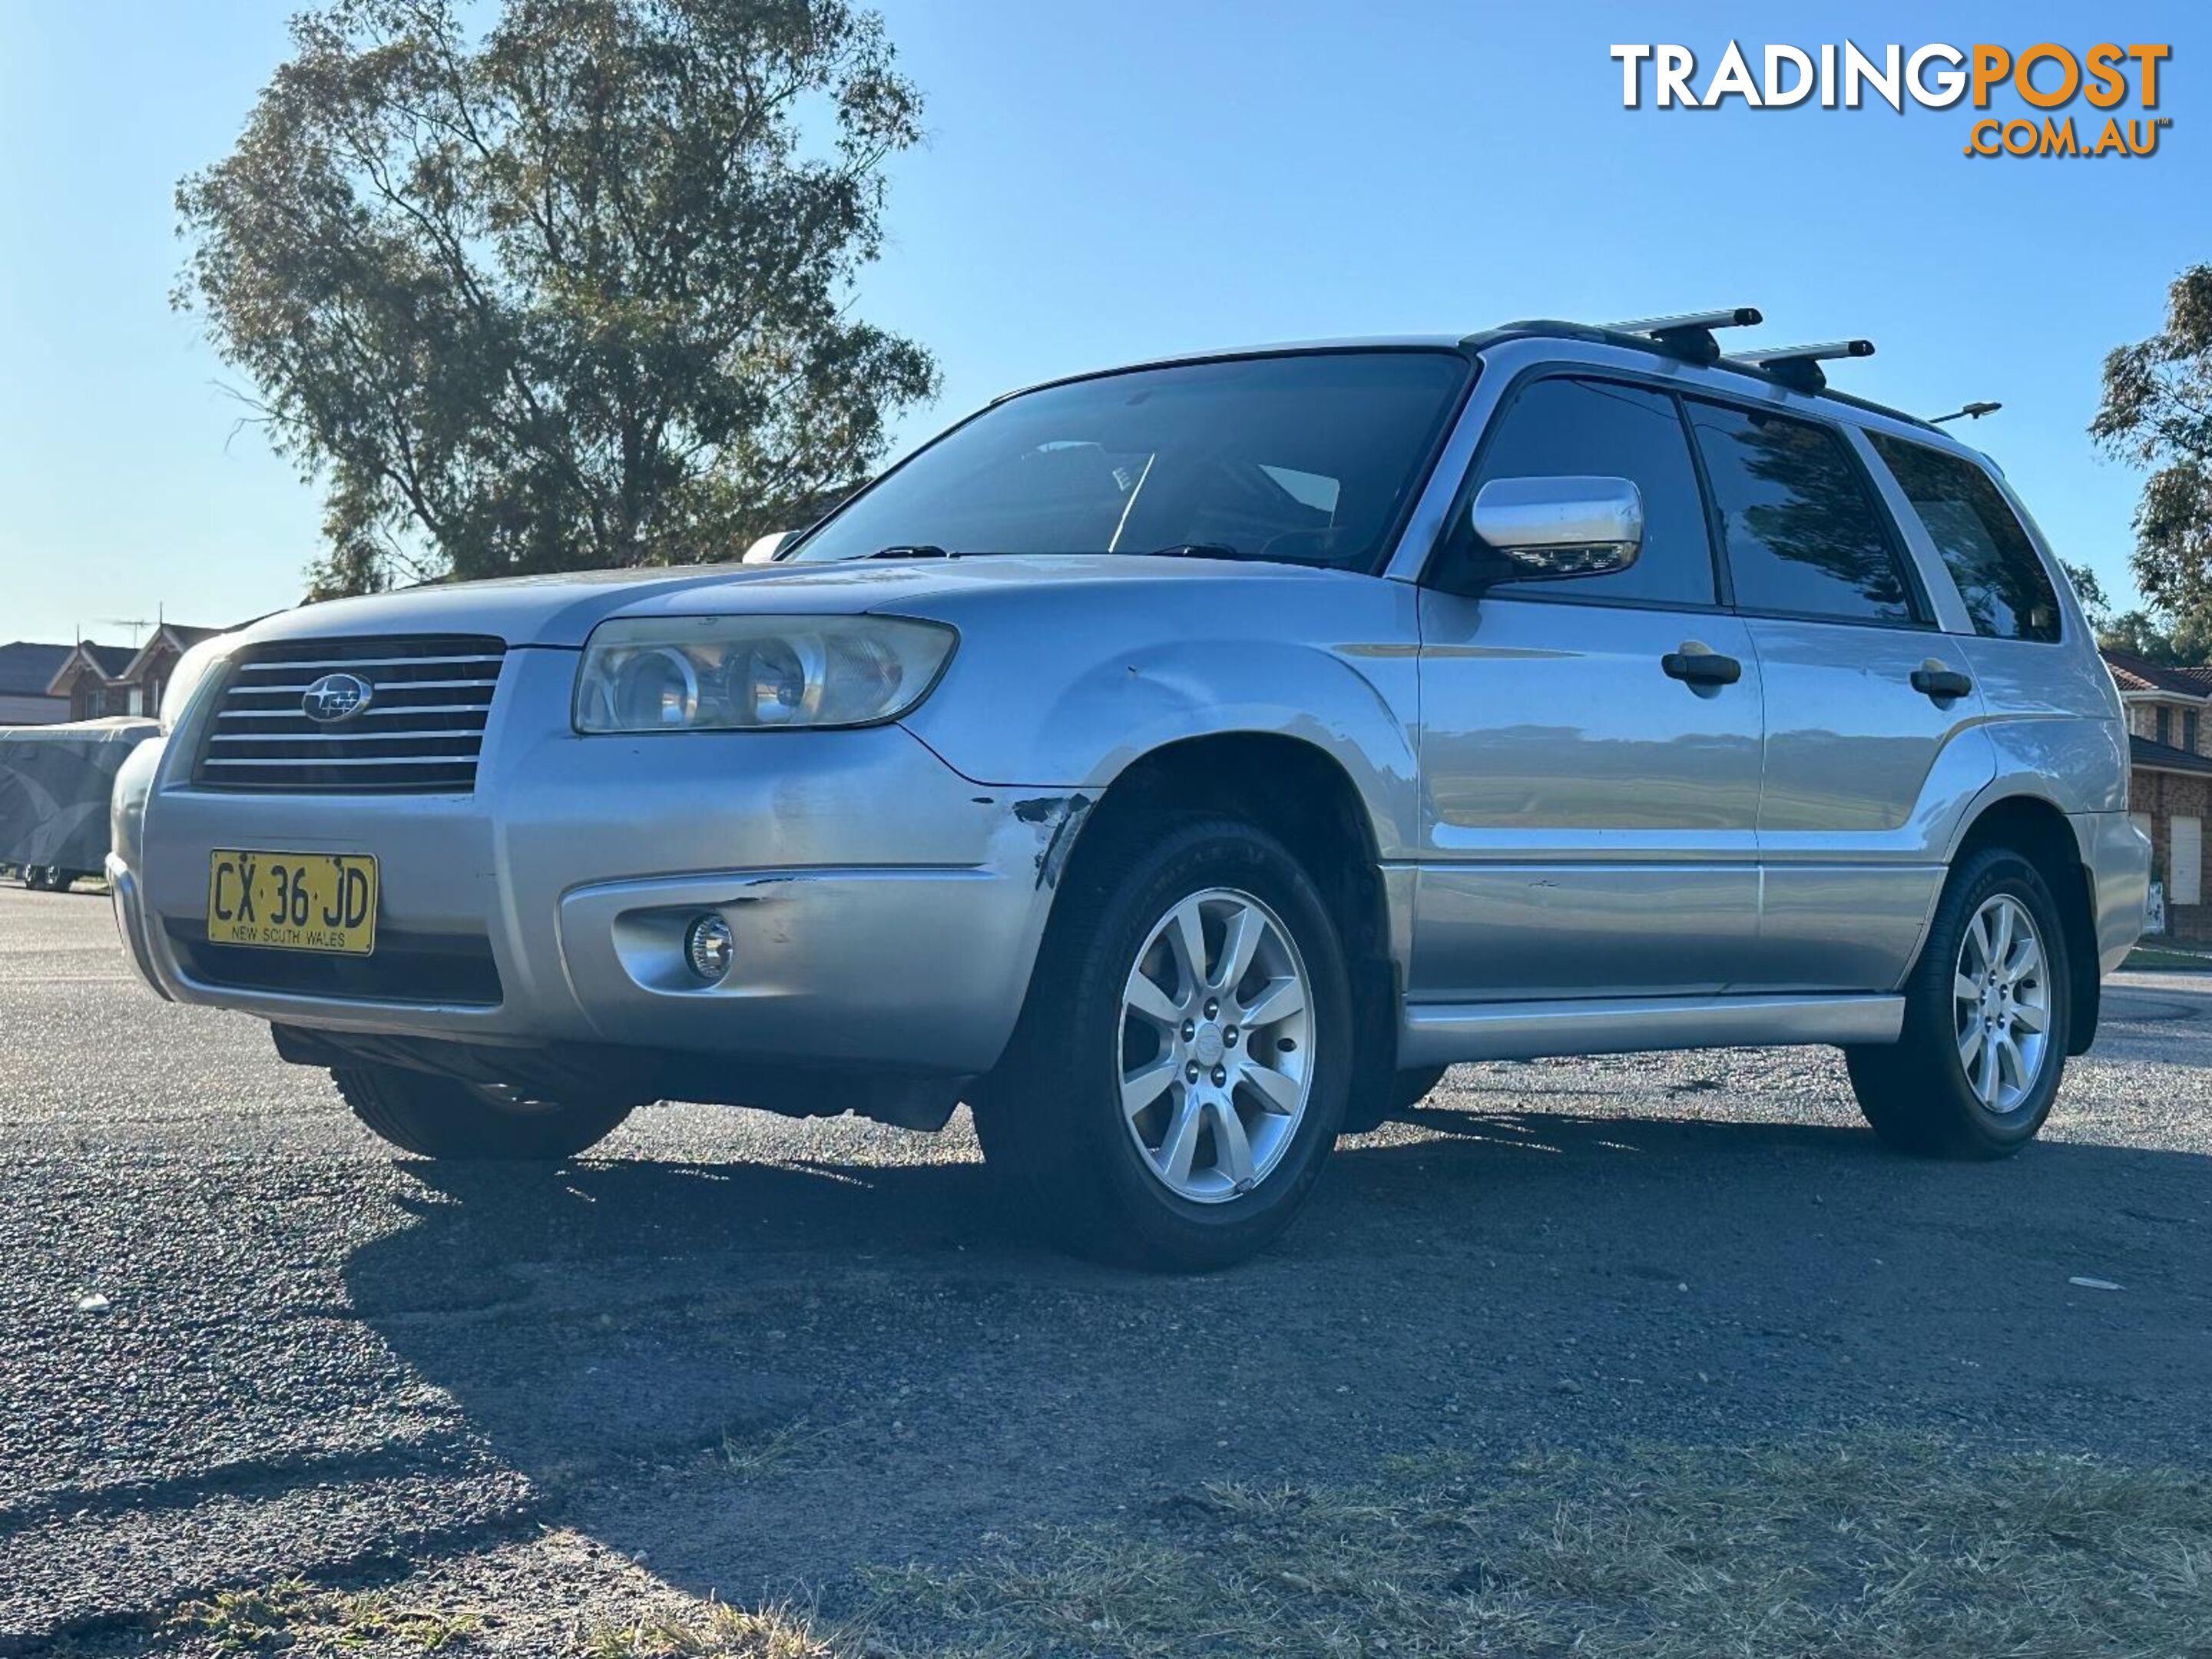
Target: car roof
(1455, 343)
(1475, 345)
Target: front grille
(419, 734)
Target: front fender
(1045, 693)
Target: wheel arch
(2034, 826)
(1302, 794)
(1295, 790)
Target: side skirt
(1438, 1034)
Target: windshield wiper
(1176, 550)
(1211, 550)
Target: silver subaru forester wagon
(1182, 765)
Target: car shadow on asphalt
(752, 1375)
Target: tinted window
(1570, 429)
(1306, 457)
(1803, 536)
(2007, 590)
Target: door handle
(1940, 683)
(1701, 668)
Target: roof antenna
(1691, 333)
(1971, 412)
(1798, 367)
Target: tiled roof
(28, 668)
(2164, 757)
(111, 660)
(2135, 673)
(183, 637)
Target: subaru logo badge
(336, 697)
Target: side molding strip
(1435, 1034)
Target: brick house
(91, 677)
(115, 679)
(2170, 779)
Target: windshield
(1307, 458)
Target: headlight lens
(192, 671)
(756, 673)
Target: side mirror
(1551, 529)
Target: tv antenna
(160, 618)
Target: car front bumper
(886, 910)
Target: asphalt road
(239, 1339)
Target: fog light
(710, 948)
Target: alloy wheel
(1216, 1045)
(2000, 999)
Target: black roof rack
(1799, 368)
(1795, 368)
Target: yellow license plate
(293, 901)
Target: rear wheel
(1984, 1046)
(1182, 1061)
(444, 1117)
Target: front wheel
(1986, 1009)
(433, 1116)
(1183, 1059)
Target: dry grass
(1883, 1549)
(294, 1616)
(746, 1456)
(1842, 1548)
(718, 1631)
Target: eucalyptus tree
(572, 287)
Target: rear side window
(2007, 590)
(1562, 428)
(1803, 535)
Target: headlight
(756, 673)
(192, 671)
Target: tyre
(1986, 1011)
(1182, 1060)
(1400, 1092)
(435, 1117)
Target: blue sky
(1103, 184)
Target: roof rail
(1798, 367)
(1690, 334)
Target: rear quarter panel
(2054, 722)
